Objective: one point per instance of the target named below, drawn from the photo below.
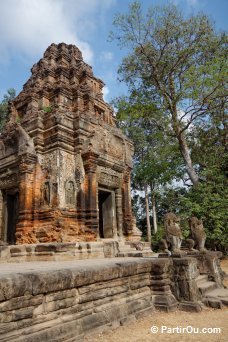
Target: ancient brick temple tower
(64, 165)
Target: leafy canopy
(177, 62)
(4, 113)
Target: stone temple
(64, 165)
(65, 196)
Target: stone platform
(106, 248)
(62, 301)
(65, 300)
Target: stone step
(134, 247)
(201, 278)
(219, 294)
(214, 303)
(205, 287)
(128, 254)
(137, 249)
(144, 243)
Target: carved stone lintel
(108, 177)
(9, 180)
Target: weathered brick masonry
(64, 165)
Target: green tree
(4, 112)
(178, 63)
(209, 202)
(209, 199)
(176, 75)
(156, 158)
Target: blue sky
(28, 27)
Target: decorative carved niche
(79, 170)
(22, 110)
(49, 194)
(46, 193)
(86, 101)
(99, 112)
(54, 199)
(70, 192)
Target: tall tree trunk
(154, 213)
(153, 200)
(147, 213)
(180, 134)
(187, 158)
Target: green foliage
(18, 119)
(156, 158)
(47, 109)
(209, 202)
(156, 238)
(176, 114)
(4, 113)
(179, 63)
(180, 58)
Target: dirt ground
(140, 330)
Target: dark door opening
(12, 212)
(106, 213)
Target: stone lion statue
(190, 243)
(164, 246)
(197, 232)
(173, 231)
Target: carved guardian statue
(197, 232)
(173, 231)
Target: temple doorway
(12, 214)
(107, 213)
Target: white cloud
(193, 3)
(28, 27)
(188, 3)
(107, 55)
(105, 92)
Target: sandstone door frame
(107, 213)
(9, 215)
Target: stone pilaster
(185, 273)
(129, 221)
(90, 166)
(162, 296)
(1, 217)
(26, 198)
(78, 102)
(119, 212)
